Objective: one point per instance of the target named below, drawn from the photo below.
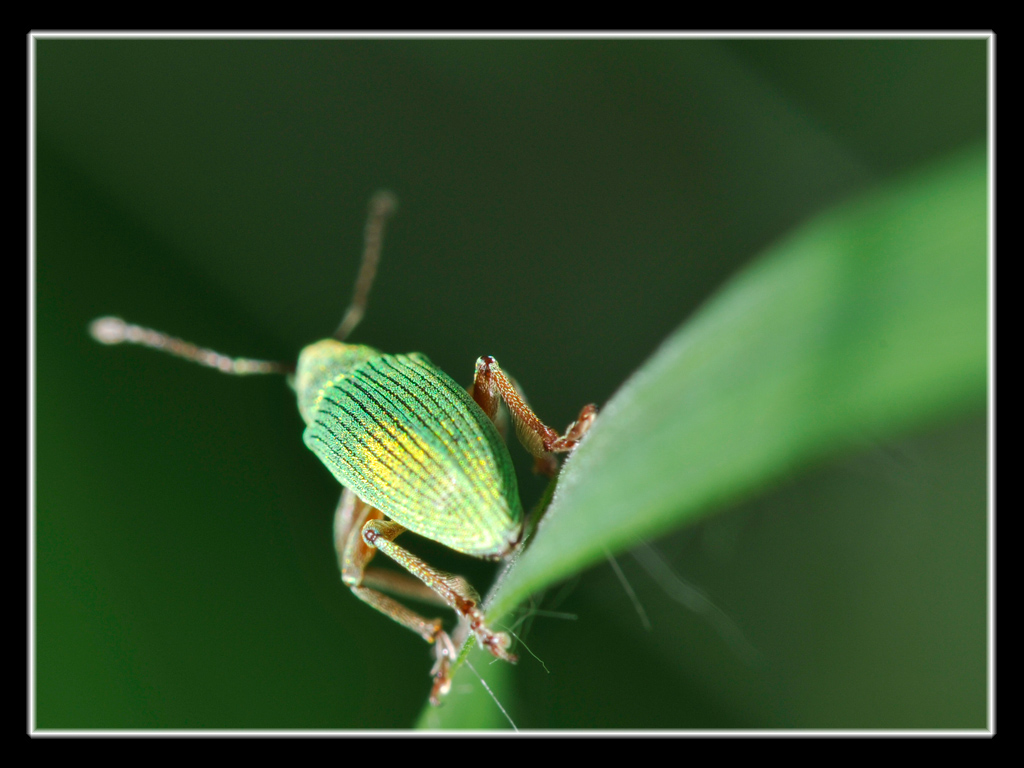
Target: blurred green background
(564, 205)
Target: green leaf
(864, 323)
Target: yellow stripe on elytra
(398, 454)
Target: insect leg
(491, 384)
(354, 554)
(353, 557)
(454, 590)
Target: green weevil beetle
(413, 451)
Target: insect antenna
(382, 205)
(114, 330)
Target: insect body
(413, 450)
(409, 441)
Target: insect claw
(497, 643)
(445, 650)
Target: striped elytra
(411, 442)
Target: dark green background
(565, 204)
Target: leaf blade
(868, 321)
